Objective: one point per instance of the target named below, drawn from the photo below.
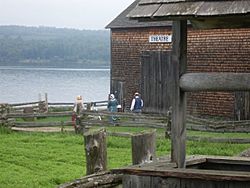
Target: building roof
(191, 8)
(223, 12)
(122, 21)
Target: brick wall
(226, 50)
(127, 46)
(217, 50)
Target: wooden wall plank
(154, 80)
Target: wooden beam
(191, 82)
(179, 64)
(199, 174)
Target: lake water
(23, 84)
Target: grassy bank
(49, 159)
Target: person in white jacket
(137, 103)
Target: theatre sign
(160, 38)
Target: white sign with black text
(160, 38)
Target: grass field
(50, 159)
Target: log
(102, 179)
(191, 82)
(219, 140)
(159, 117)
(52, 114)
(143, 147)
(42, 124)
(24, 104)
(96, 151)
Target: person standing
(137, 103)
(112, 107)
(77, 110)
(78, 106)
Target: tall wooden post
(179, 63)
(46, 102)
(4, 110)
(96, 151)
(143, 147)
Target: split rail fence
(95, 114)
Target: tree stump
(143, 147)
(96, 151)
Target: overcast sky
(78, 14)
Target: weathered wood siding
(217, 50)
(132, 181)
(155, 86)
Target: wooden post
(4, 110)
(96, 151)
(179, 63)
(46, 103)
(143, 147)
(28, 110)
(39, 97)
(89, 106)
(168, 125)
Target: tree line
(21, 45)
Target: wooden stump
(96, 151)
(143, 147)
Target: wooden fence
(41, 109)
(201, 124)
(94, 115)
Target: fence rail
(97, 117)
(199, 124)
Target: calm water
(20, 84)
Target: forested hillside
(53, 46)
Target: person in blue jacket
(112, 107)
(137, 103)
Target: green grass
(221, 135)
(50, 159)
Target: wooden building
(139, 57)
(204, 172)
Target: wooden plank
(101, 179)
(219, 140)
(192, 82)
(52, 114)
(209, 175)
(179, 64)
(42, 124)
(24, 104)
(166, 62)
(234, 160)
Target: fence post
(168, 125)
(143, 147)
(28, 110)
(46, 103)
(4, 110)
(96, 151)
